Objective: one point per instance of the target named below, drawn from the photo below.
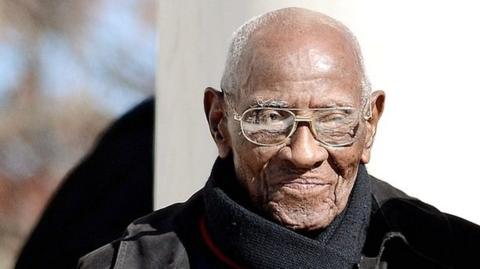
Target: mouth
(304, 184)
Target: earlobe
(214, 106)
(377, 101)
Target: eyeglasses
(268, 126)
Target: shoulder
(429, 231)
(154, 239)
(393, 202)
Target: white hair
(230, 83)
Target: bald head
(268, 43)
(308, 64)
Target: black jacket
(403, 233)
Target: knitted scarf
(252, 241)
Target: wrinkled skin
(301, 184)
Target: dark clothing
(111, 187)
(217, 228)
(255, 242)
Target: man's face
(301, 184)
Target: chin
(301, 217)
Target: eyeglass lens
(271, 126)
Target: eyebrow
(336, 104)
(270, 103)
(259, 103)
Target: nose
(305, 151)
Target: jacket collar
(404, 232)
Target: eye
(332, 117)
(267, 116)
(336, 116)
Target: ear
(214, 105)
(377, 101)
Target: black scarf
(252, 241)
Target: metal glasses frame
(297, 119)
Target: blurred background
(67, 69)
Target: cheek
(249, 161)
(346, 160)
(345, 163)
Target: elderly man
(294, 125)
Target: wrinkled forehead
(274, 45)
(322, 66)
(304, 61)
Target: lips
(303, 183)
(287, 177)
